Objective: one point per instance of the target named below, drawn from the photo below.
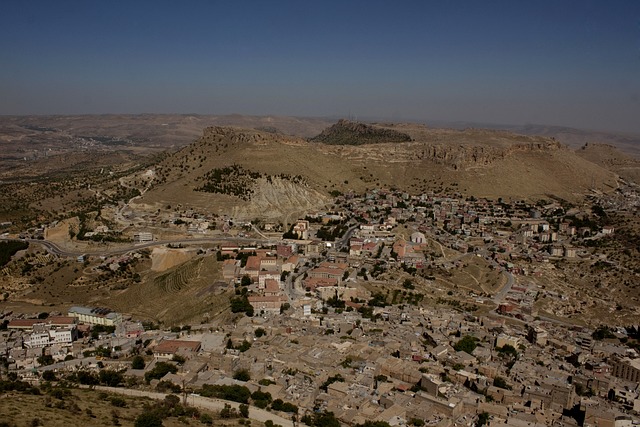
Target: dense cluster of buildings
(317, 340)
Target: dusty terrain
(84, 407)
(278, 177)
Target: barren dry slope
(249, 173)
(613, 159)
(188, 292)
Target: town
(419, 310)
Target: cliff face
(462, 156)
(446, 147)
(454, 156)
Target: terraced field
(188, 293)
(178, 278)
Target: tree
(466, 344)
(49, 376)
(280, 405)
(602, 332)
(178, 359)
(261, 399)
(508, 350)
(244, 410)
(110, 378)
(118, 402)
(160, 370)
(138, 363)
(241, 304)
(227, 411)
(45, 360)
(336, 378)
(483, 419)
(245, 281)
(501, 383)
(242, 375)
(87, 378)
(321, 419)
(148, 419)
(408, 284)
(236, 393)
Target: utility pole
(184, 394)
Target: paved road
(206, 403)
(57, 250)
(499, 297)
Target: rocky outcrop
(454, 156)
(351, 133)
(235, 136)
(461, 156)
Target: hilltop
(248, 173)
(278, 173)
(351, 133)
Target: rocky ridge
(352, 133)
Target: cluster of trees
(466, 344)
(602, 332)
(13, 384)
(231, 180)
(106, 377)
(154, 413)
(242, 347)
(290, 234)
(241, 304)
(235, 393)
(264, 400)
(331, 233)
(321, 419)
(160, 370)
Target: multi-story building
(45, 335)
(627, 369)
(96, 316)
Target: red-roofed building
(272, 287)
(167, 348)
(60, 321)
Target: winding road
(57, 250)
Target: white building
(44, 336)
(142, 236)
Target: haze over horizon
(573, 63)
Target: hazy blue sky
(574, 63)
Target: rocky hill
(613, 159)
(248, 173)
(351, 133)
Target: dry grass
(189, 292)
(83, 408)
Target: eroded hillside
(248, 173)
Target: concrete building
(95, 316)
(627, 369)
